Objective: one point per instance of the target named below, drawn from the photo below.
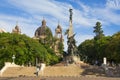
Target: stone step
(72, 70)
(19, 71)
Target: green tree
(113, 48)
(97, 39)
(86, 50)
(25, 49)
(101, 46)
(98, 31)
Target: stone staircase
(19, 71)
(71, 70)
(59, 70)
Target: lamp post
(13, 57)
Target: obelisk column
(70, 33)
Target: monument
(72, 51)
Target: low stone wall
(7, 64)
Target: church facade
(45, 36)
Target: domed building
(16, 30)
(2, 30)
(43, 33)
(45, 36)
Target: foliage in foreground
(101, 46)
(107, 46)
(25, 49)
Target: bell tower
(58, 40)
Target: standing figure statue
(71, 13)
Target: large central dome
(43, 32)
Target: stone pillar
(105, 60)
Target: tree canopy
(25, 49)
(98, 31)
(101, 46)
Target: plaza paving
(61, 78)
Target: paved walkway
(61, 78)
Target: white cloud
(107, 16)
(80, 38)
(54, 11)
(85, 8)
(80, 19)
(43, 7)
(9, 22)
(113, 4)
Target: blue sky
(30, 13)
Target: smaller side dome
(58, 29)
(16, 30)
(2, 30)
(59, 26)
(17, 27)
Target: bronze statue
(70, 10)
